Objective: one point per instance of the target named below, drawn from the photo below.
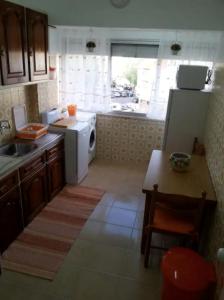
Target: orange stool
(187, 276)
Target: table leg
(145, 220)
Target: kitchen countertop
(9, 164)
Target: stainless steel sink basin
(17, 149)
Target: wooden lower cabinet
(10, 218)
(34, 194)
(56, 177)
(21, 200)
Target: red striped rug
(41, 248)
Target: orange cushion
(168, 221)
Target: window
(138, 81)
(133, 75)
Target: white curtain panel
(166, 80)
(85, 81)
(84, 77)
(198, 48)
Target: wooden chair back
(186, 207)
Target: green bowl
(180, 161)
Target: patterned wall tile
(214, 141)
(47, 95)
(37, 98)
(123, 138)
(8, 98)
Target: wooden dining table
(190, 183)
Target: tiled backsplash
(8, 98)
(127, 138)
(215, 158)
(47, 95)
(37, 98)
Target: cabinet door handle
(8, 203)
(2, 51)
(4, 189)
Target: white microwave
(191, 77)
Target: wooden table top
(190, 183)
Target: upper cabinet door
(37, 30)
(13, 47)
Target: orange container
(25, 130)
(72, 108)
(32, 131)
(187, 276)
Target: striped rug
(41, 248)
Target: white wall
(175, 14)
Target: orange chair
(173, 215)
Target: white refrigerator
(185, 119)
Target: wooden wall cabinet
(13, 43)
(23, 44)
(37, 32)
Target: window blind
(134, 50)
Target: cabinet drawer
(32, 166)
(55, 150)
(7, 183)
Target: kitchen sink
(17, 149)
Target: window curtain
(84, 77)
(198, 48)
(85, 81)
(166, 80)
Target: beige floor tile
(107, 234)
(19, 278)
(91, 230)
(12, 291)
(116, 177)
(131, 202)
(105, 262)
(107, 199)
(139, 220)
(122, 217)
(136, 236)
(133, 290)
(115, 235)
(94, 286)
(97, 257)
(100, 213)
(142, 205)
(133, 268)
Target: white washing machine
(76, 147)
(90, 118)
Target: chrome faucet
(4, 124)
